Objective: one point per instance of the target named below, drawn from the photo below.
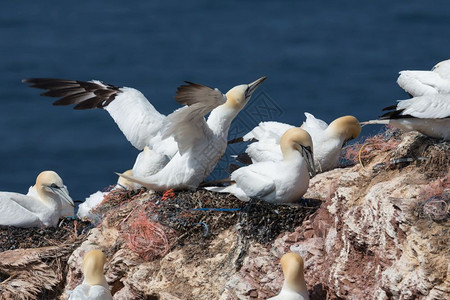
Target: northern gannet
(67, 209)
(41, 209)
(149, 162)
(201, 143)
(328, 140)
(85, 208)
(419, 83)
(428, 114)
(294, 287)
(94, 286)
(193, 144)
(276, 182)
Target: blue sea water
(329, 58)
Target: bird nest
(152, 223)
(390, 149)
(32, 260)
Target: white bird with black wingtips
(428, 114)
(193, 144)
(276, 181)
(420, 83)
(41, 208)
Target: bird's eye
(53, 185)
(247, 92)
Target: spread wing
(133, 113)
(187, 124)
(435, 106)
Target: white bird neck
(97, 280)
(335, 135)
(48, 198)
(220, 119)
(296, 285)
(289, 151)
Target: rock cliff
(379, 229)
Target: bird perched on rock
(328, 140)
(193, 145)
(420, 83)
(40, 207)
(94, 286)
(276, 181)
(294, 287)
(428, 114)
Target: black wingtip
(390, 107)
(236, 140)
(244, 158)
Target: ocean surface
(329, 58)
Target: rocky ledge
(377, 230)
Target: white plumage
(327, 140)
(419, 83)
(85, 208)
(276, 182)
(67, 209)
(94, 286)
(201, 143)
(428, 114)
(40, 207)
(294, 286)
(88, 292)
(192, 144)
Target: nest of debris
(390, 149)
(435, 202)
(152, 223)
(33, 260)
(12, 238)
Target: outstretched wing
(133, 113)
(187, 124)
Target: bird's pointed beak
(64, 194)
(252, 86)
(309, 158)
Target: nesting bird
(276, 181)
(94, 286)
(85, 208)
(328, 140)
(420, 83)
(42, 206)
(193, 145)
(294, 287)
